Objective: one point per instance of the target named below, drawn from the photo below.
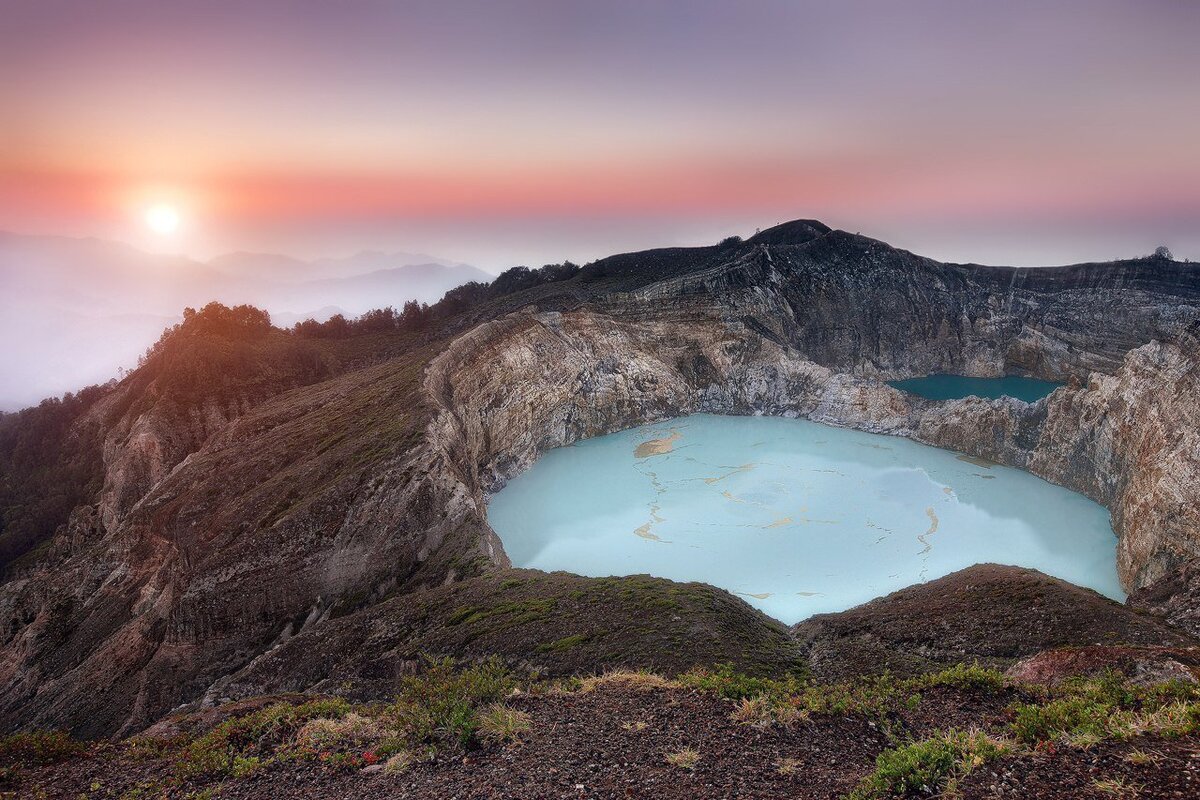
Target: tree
(1163, 252)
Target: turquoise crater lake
(796, 517)
(953, 387)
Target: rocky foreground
(255, 512)
(478, 732)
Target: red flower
(370, 757)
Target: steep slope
(359, 469)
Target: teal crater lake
(953, 387)
(796, 517)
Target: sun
(162, 219)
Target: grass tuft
(500, 724)
(636, 680)
(684, 759)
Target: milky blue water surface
(798, 518)
(952, 387)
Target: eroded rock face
(1175, 597)
(532, 381)
(224, 531)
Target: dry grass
(1142, 758)
(400, 762)
(1084, 740)
(324, 734)
(684, 759)
(1117, 787)
(763, 712)
(638, 681)
(787, 766)
(501, 724)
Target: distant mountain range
(74, 311)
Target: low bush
(1083, 712)
(726, 682)
(39, 748)
(227, 747)
(932, 766)
(440, 705)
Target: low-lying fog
(75, 311)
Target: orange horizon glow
(511, 133)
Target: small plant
(634, 727)
(1084, 740)
(787, 766)
(245, 765)
(399, 762)
(353, 730)
(565, 643)
(1142, 758)
(1090, 710)
(500, 724)
(873, 696)
(931, 766)
(684, 759)
(1117, 787)
(764, 711)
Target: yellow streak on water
(644, 532)
(779, 523)
(742, 468)
(657, 447)
(933, 526)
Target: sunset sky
(525, 132)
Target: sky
(498, 133)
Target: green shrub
(1084, 711)
(873, 696)
(439, 706)
(226, 748)
(964, 676)
(724, 681)
(565, 643)
(929, 767)
(1058, 718)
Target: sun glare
(162, 219)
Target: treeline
(237, 322)
(48, 466)
(414, 316)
